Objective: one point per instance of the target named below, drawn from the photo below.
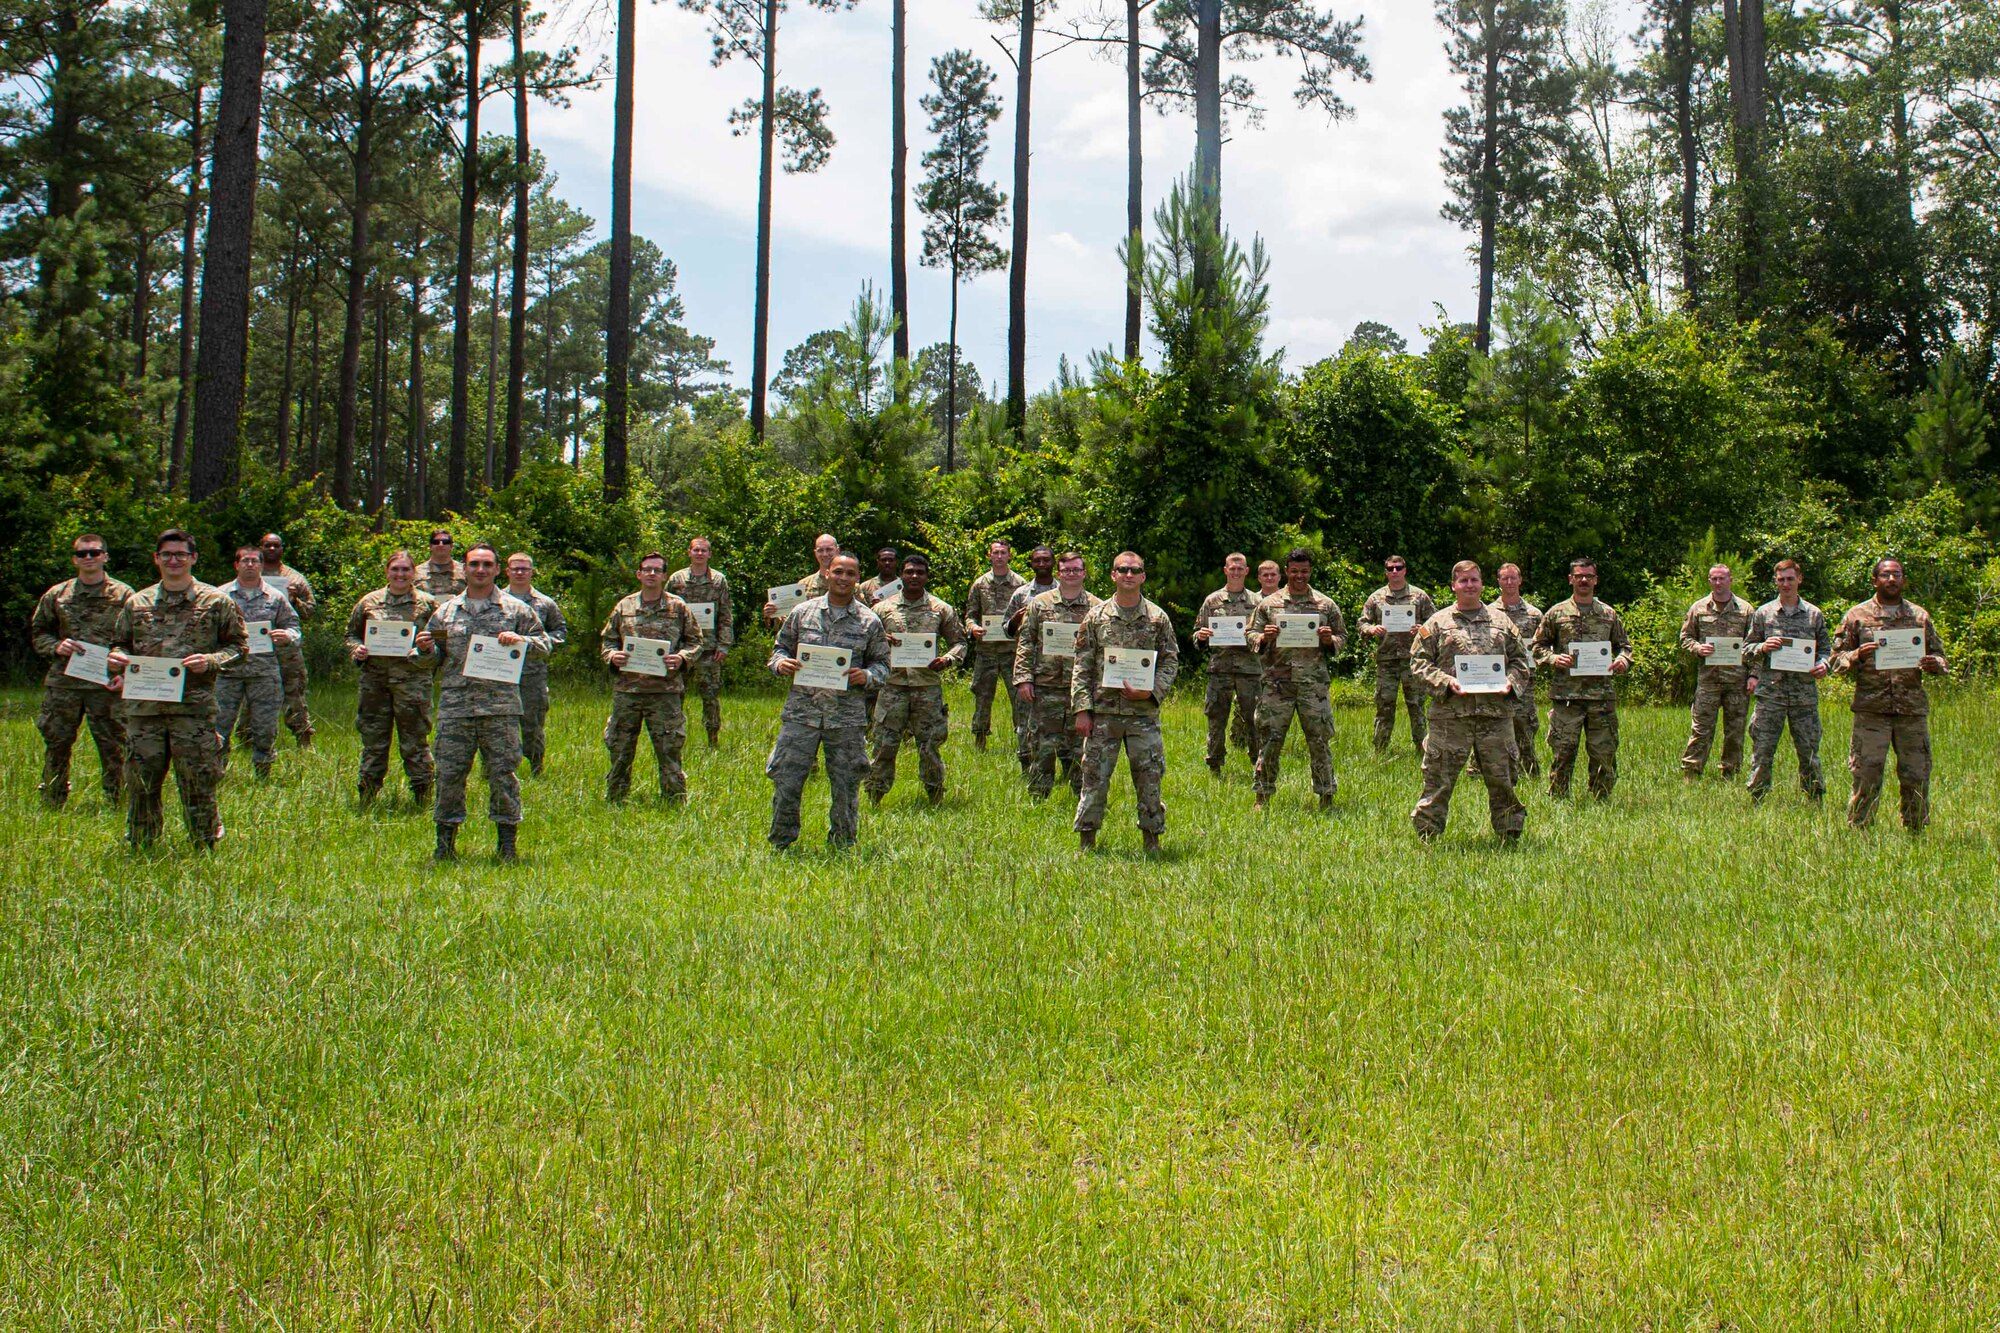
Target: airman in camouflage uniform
(179, 618)
(441, 576)
(395, 692)
(79, 610)
(1527, 618)
(888, 569)
(1466, 724)
(1786, 697)
(1042, 562)
(1891, 710)
(639, 699)
(478, 717)
(698, 585)
(1233, 672)
(992, 654)
(291, 655)
(1392, 652)
(1583, 709)
(535, 675)
(834, 720)
(825, 547)
(252, 685)
(1042, 677)
(1124, 717)
(912, 702)
(1296, 680)
(1721, 614)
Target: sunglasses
(1128, 569)
(1394, 569)
(94, 553)
(440, 541)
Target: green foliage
(1947, 441)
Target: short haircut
(826, 537)
(181, 535)
(651, 555)
(1236, 555)
(1395, 560)
(271, 537)
(483, 546)
(1298, 555)
(703, 540)
(1465, 567)
(1000, 541)
(522, 555)
(887, 550)
(441, 532)
(1039, 549)
(83, 537)
(1267, 564)
(242, 551)
(1719, 565)
(1582, 562)
(846, 555)
(1786, 564)
(1504, 568)
(1068, 556)
(917, 560)
(1875, 570)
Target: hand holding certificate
(91, 662)
(1128, 668)
(389, 638)
(1901, 650)
(823, 667)
(1298, 630)
(1593, 657)
(912, 652)
(786, 596)
(486, 658)
(260, 637)
(647, 657)
(1480, 673)
(893, 588)
(156, 680)
(1728, 652)
(996, 629)
(1399, 617)
(704, 615)
(1795, 655)
(1059, 638)
(1228, 631)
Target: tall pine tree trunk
(618, 315)
(347, 413)
(1912, 302)
(1743, 30)
(455, 498)
(142, 302)
(951, 378)
(899, 186)
(492, 363)
(517, 296)
(378, 407)
(1680, 68)
(286, 376)
(190, 229)
(760, 351)
(1135, 193)
(415, 502)
(1017, 271)
(1489, 177)
(318, 394)
(1208, 106)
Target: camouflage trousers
(497, 741)
(292, 672)
(401, 707)
(665, 721)
(1592, 724)
(1450, 742)
(257, 699)
(187, 742)
(791, 763)
(1145, 755)
(62, 715)
(1767, 725)
(706, 676)
(1527, 724)
(1875, 735)
(916, 711)
(1223, 691)
(1711, 697)
(990, 672)
(1277, 703)
(1391, 678)
(535, 715)
(1052, 731)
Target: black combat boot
(367, 792)
(447, 848)
(506, 848)
(1151, 843)
(1086, 839)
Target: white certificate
(390, 638)
(1728, 651)
(1481, 673)
(1593, 657)
(486, 658)
(996, 629)
(704, 615)
(278, 587)
(260, 637)
(1795, 655)
(158, 680)
(912, 651)
(1127, 667)
(893, 588)
(1399, 617)
(647, 657)
(823, 667)
(1901, 650)
(1298, 630)
(785, 596)
(1227, 631)
(1059, 638)
(91, 662)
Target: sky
(1349, 212)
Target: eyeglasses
(94, 553)
(175, 555)
(1128, 569)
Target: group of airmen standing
(865, 662)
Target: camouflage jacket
(259, 604)
(1481, 631)
(670, 619)
(710, 589)
(1804, 621)
(869, 590)
(1032, 666)
(157, 623)
(553, 624)
(85, 612)
(854, 627)
(932, 615)
(297, 590)
(433, 581)
(1527, 618)
(1017, 605)
(1230, 661)
(1393, 648)
(1705, 620)
(989, 597)
(453, 626)
(1109, 625)
(1896, 692)
(415, 606)
(1303, 666)
(1566, 623)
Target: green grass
(1673, 1063)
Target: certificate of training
(1059, 638)
(1794, 655)
(996, 629)
(785, 596)
(704, 615)
(912, 651)
(1481, 673)
(389, 638)
(91, 662)
(260, 637)
(278, 588)
(1728, 651)
(1399, 617)
(823, 667)
(1131, 667)
(1228, 631)
(1593, 657)
(486, 658)
(158, 680)
(647, 657)
(1298, 630)
(893, 588)
(1901, 650)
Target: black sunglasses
(94, 553)
(1128, 569)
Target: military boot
(1087, 839)
(1150, 843)
(447, 845)
(367, 792)
(506, 848)
(420, 794)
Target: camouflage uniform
(1716, 687)
(1583, 709)
(1891, 712)
(159, 623)
(87, 613)
(395, 693)
(1052, 719)
(535, 679)
(1392, 663)
(815, 719)
(1786, 697)
(1463, 725)
(1017, 604)
(1133, 724)
(292, 656)
(440, 585)
(1527, 618)
(1233, 675)
(811, 586)
(992, 660)
(710, 589)
(1295, 683)
(253, 685)
(654, 702)
(480, 717)
(912, 702)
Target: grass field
(1674, 1063)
